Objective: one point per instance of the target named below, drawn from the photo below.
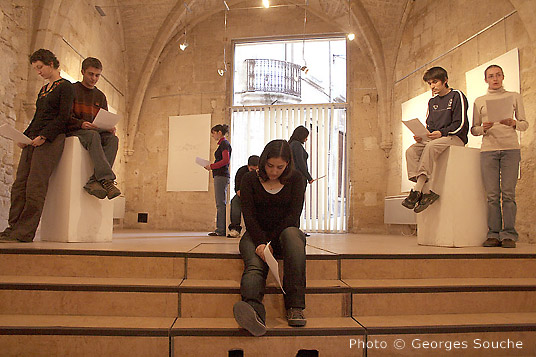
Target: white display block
(71, 214)
(459, 217)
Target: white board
(189, 137)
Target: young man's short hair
(438, 73)
(253, 160)
(91, 62)
(493, 66)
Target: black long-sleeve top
(239, 176)
(266, 215)
(52, 110)
(300, 156)
(448, 114)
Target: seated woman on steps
(272, 201)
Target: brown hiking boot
(111, 189)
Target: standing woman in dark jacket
(299, 155)
(39, 158)
(221, 175)
(272, 200)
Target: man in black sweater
(236, 208)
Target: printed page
(499, 109)
(106, 120)
(13, 134)
(417, 128)
(272, 264)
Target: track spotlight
(183, 46)
(304, 69)
(266, 3)
(351, 36)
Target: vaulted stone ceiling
(148, 26)
(142, 20)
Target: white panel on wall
(476, 86)
(189, 137)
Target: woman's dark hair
(299, 134)
(274, 149)
(45, 56)
(224, 128)
(438, 73)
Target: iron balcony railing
(269, 75)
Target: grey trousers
(421, 157)
(102, 147)
(499, 174)
(30, 187)
(220, 194)
(290, 247)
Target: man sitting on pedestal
(101, 144)
(447, 125)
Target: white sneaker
(233, 233)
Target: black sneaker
(95, 188)
(426, 200)
(412, 199)
(216, 234)
(492, 242)
(7, 238)
(508, 243)
(247, 318)
(295, 317)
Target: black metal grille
(268, 75)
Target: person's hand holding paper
(418, 129)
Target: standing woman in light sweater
(499, 159)
(220, 173)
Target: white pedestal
(71, 214)
(459, 217)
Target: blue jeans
(499, 174)
(291, 248)
(236, 214)
(220, 193)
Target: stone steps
(159, 303)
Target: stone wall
(433, 28)
(14, 41)
(187, 83)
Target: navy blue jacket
(448, 114)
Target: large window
(283, 84)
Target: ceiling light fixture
(184, 43)
(266, 3)
(221, 71)
(304, 68)
(351, 35)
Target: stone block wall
(14, 40)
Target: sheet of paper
(11, 133)
(106, 120)
(417, 128)
(272, 264)
(499, 109)
(321, 177)
(201, 162)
